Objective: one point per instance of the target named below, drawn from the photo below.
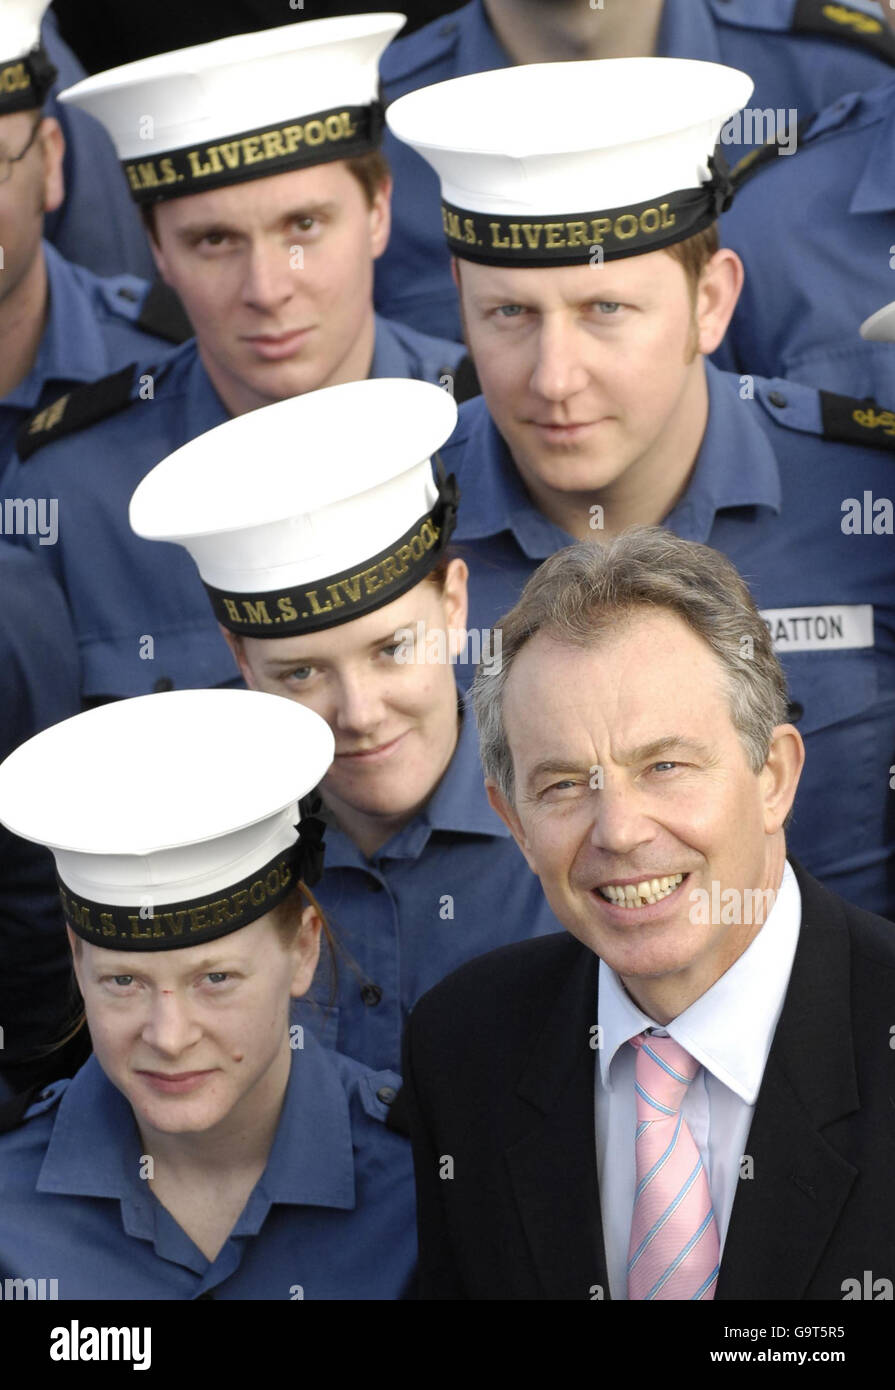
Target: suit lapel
(553, 1169)
(784, 1214)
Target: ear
(52, 145)
(381, 218)
(780, 775)
(237, 647)
(306, 951)
(455, 595)
(716, 297)
(508, 815)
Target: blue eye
(123, 980)
(510, 311)
(608, 307)
(300, 673)
(217, 976)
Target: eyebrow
(207, 963)
(281, 663)
(196, 230)
(643, 753)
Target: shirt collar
(389, 358)
(95, 1147)
(875, 189)
(71, 347)
(493, 497)
(723, 477)
(479, 49)
(730, 1028)
(688, 31)
(459, 805)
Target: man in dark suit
(691, 1095)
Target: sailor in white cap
(256, 161)
(321, 537)
(208, 1148)
(579, 202)
(60, 324)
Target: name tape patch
(828, 627)
(570, 238)
(341, 133)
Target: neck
(667, 996)
(533, 32)
(239, 397)
(648, 489)
(242, 1140)
(23, 316)
(371, 830)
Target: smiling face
(649, 709)
(593, 376)
(394, 721)
(277, 278)
(195, 1037)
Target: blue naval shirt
(91, 330)
(331, 1217)
(98, 224)
(769, 492)
(818, 242)
(39, 685)
(792, 70)
(449, 886)
(123, 590)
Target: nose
(169, 1029)
(621, 823)
(359, 707)
(270, 279)
(559, 370)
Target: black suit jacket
(499, 1093)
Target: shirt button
(778, 399)
(371, 995)
(163, 683)
(386, 1094)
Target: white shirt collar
(730, 1028)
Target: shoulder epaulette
(78, 408)
(851, 420)
(826, 415)
(750, 164)
(844, 22)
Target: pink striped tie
(674, 1238)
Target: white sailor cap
(541, 164)
(311, 512)
(243, 107)
(175, 818)
(880, 327)
(26, 73)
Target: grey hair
(578, 596)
